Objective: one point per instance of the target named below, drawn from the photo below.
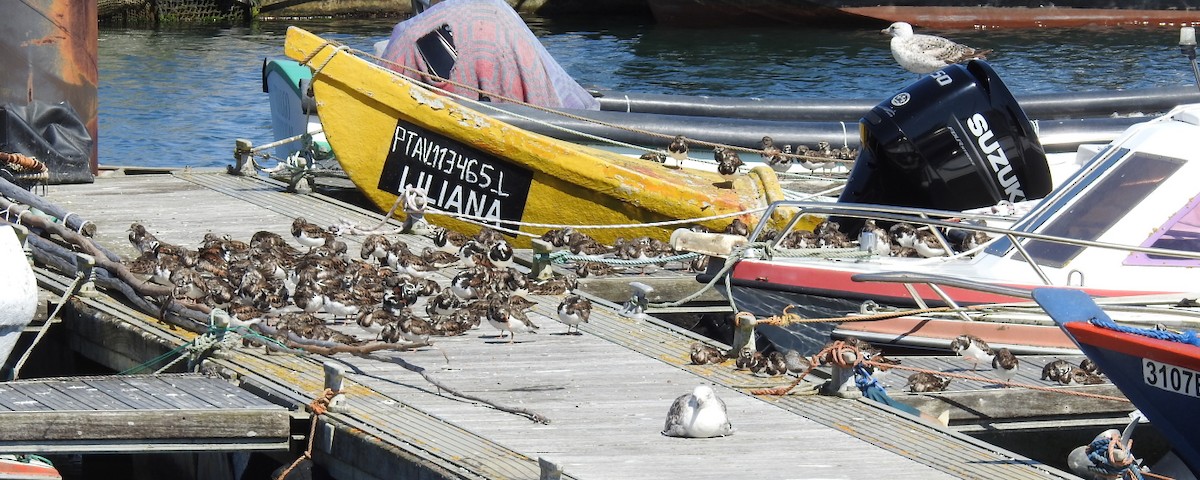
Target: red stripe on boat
(1162, 351)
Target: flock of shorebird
(295, 290)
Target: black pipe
(1037, 105)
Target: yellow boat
(389, 132)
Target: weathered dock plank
(132, 413)
(606, 392)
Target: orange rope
(989, 380)
(318, 407)
(832, 353)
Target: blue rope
(1098, 455)
(1187, 336)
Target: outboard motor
(954, 140)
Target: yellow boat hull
(389, 132)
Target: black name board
(456, 177)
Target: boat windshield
(1181, 232)
(1101, 207)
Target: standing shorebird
(773, 156)
(973, 349)
(678, 150)
(921, 54)
(574, 310)
(1005, 364)
(728, 162)
(700, 414)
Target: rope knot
(320, 405)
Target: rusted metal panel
(48, 49)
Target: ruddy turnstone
(699, 414)
(928, 245)
(376, 247)
(470, 284)
(503, 317)
(880, 242)
(829, 235)
(903, 234)
(728, 162)
(678, 150)
(1084, 377)
(972, 349)
(775, 363)
(1057, 371)
(141, 238)
(500, 254)
(926, 382)
(703, 354)
(921, 54)
(449, 241)
(308, 297)
(1005, 364)
(433, 256)
(1089, 366)
(309, 234)
(574, 310)
(444, 303)
(656, 157)
(773, 156)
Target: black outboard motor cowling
(954, 140)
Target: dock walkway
(605, 393)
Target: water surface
(171, 98)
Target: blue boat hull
(1160, 377)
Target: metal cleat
(540, 269)
(415, 202)
(636, 306)
(841, 382)
(335, 379)
(243, 150)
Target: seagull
(699, 414)
(1005, 364)
(678, 150)
(923, 54)
(973, 349)
(574, 310)
(704, 354)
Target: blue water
(173, 98)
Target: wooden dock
(605, 393)
(137, 413)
